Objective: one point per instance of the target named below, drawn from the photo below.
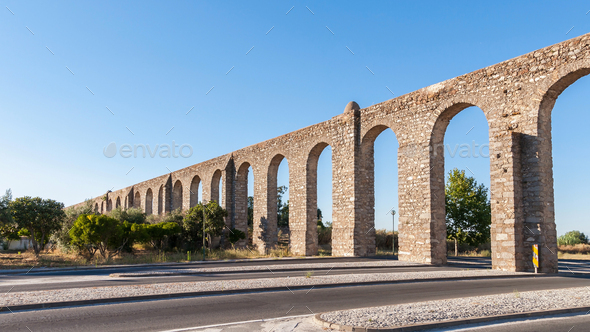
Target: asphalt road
(191, 312)
(35, 283)
(569, 323)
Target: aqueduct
(517, 97)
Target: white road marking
(236, 323)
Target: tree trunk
(456, 248)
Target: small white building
(23, 244)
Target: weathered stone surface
(517, 97)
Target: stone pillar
(263, 218)
(303, 203)
(506, 201)
(422, 227)
(347, 228)
(241, 201)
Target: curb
(197, 263)
(114, 300)
(418, 327)
(167, 274)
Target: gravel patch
(461, 308)
(89, 293)
(388, 263)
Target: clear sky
(249, 71)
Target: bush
(384, 238)
(92, 233)
(572, 238)
(193, 223)
(236, 235)
(325, 234)
(62, 237)
(131, 215)
(156, 235)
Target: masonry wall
(516, 96)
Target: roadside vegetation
(78, 236)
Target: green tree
(62, 236)
(250, 211)
(193, 222)
(282, 208)
(157, 235)
(572, 238)
(100, 233)
(41, 217)
(236, 235)
(8, 228)
(131, 215)
(468, 213)
(5, 216)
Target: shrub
(92, 233)
(193, 222)
(572, 238)
(41, 217)
(325, 234)
(157, 235)
(131, 215)
(235, 235)
(62, 237)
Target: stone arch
(149, 201)
(241, 200)
(109, 205)
(102, 207)
(194, 191)
(311, 187)
(118, 202)
(161, 203)
(215, 183)
(271, 197)
(537, 168)
(96, 208)
(177, 195)
(366, 232)
(137, 200)
(436, 169)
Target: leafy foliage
(250, 211)
(468, 212)
(282, 208)
(157, 234)
(41, 217)
(131, 215)
(8, 228)
(572, 238)
(62, 236)
(107, 235)
(236, 235)
(193, 222)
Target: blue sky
(151, 62)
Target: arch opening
(216, 187)
(194, 191)
(560, 182)
(149, 202)
(460, 165)
(137, 200)
(379, 148)
(244, 203)
(177, 195)
(319, 200)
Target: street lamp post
(393, 233)
(204, 220)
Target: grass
(15, 259)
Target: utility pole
(204, 220)
(393, 232)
